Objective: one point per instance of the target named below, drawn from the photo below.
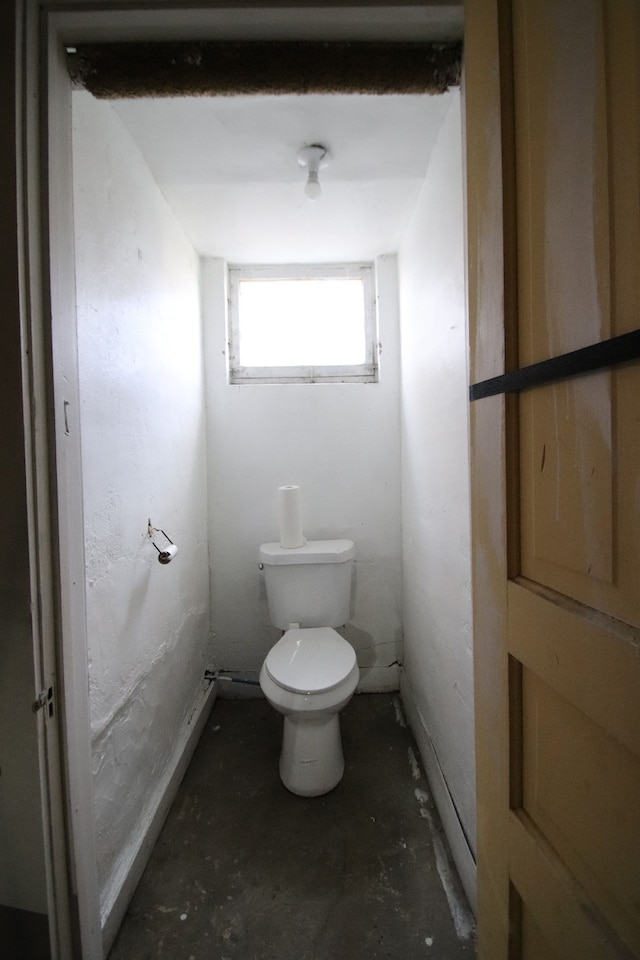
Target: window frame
(366, 372)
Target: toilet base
(311, 761)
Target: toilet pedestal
(311, 761)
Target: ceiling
(228, 168)
(228, 165)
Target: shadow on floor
(244, 870)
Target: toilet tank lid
(313, 551)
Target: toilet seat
(310, 660)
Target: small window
(302, 324)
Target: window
(302, 324)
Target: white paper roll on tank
(291, 535)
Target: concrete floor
(244, 870)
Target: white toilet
(311, 672)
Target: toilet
(311, 673)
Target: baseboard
(460, 851)
(130, 873)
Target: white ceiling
(228, 168)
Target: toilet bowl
(309, 676)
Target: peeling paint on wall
(143, 455)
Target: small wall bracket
(165, 554)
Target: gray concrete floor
(244, 870)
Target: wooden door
(553, 162)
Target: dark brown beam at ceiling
(225, 68)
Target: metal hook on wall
(167, 554)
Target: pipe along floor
(244, 870)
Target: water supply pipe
(212, 676)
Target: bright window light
(291, 323)
(302, 323)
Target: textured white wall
(143, 455)
(435, 472)
(340, 443)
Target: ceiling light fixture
(313, 158)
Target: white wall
(437, 682)
(340, 443)
(143, 456)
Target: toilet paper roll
(291, 535)
(166, 556)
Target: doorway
(74, 609)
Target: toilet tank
(309, 585)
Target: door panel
(551, 905)
(591, 660)
(536, 946)
(570, 765)
(577, 284)
(560, 85)
(567, 533)
(556, 513)
(575, 734)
